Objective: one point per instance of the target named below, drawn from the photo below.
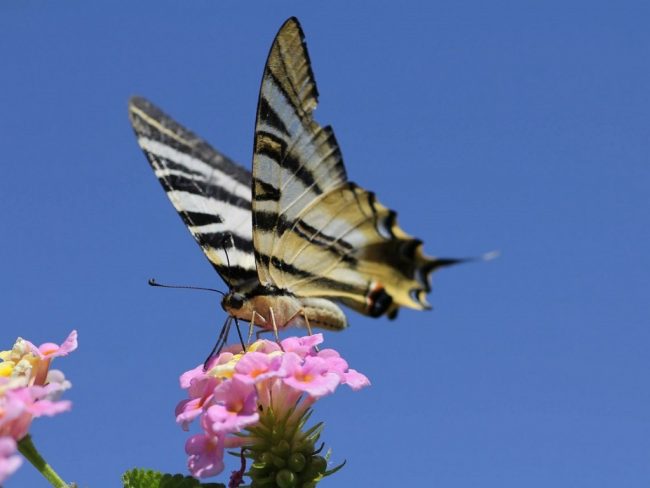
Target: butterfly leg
(221, 342)
(241, 339)
(304, 314)
(307, 325)
(261, 332)
(275, 328)
(251, 327)
(258, 334)
(309, 331)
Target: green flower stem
(27, 449)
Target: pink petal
(203, 387)
(237, 396)
(317, 387)
(254, 367)
(201, 392)
(315, 365)
(266, 347)
(355, 380)
(50, 350)
(49, 408)
(335, 364)
(187, 377)
(205, 455)
(53, 390)
(291, 362)
(312, 376)
(328, 353)
(9, 461)
(221, 421)
(7, 446)
(302, 345)
(188, 410)
(69, 345)
(225, 357)
(17, 427)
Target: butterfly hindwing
(354, 251)
(211, 193)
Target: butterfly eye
(234, 301)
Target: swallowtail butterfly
(294, 236)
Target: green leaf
(148, 478)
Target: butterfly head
(233, 301)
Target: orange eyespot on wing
(378, 301)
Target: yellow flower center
(6, 368)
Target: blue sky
(518, 126)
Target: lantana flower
(28, 389)
(259, 400)
(9, 460)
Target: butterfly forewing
(295, 159)
(315, 234)
(210, 192)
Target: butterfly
(295, 236)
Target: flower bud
(286, 479)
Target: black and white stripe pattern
(295, 159)
(295, 227)
(314, 233)
(211, 193)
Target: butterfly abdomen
(273, 305)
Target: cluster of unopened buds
(258, 401)
(28, 389)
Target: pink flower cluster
(286, 378)
(28, 389)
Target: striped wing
(211, 193)
(315, 234)
(295, 159)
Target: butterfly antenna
(153, 282)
